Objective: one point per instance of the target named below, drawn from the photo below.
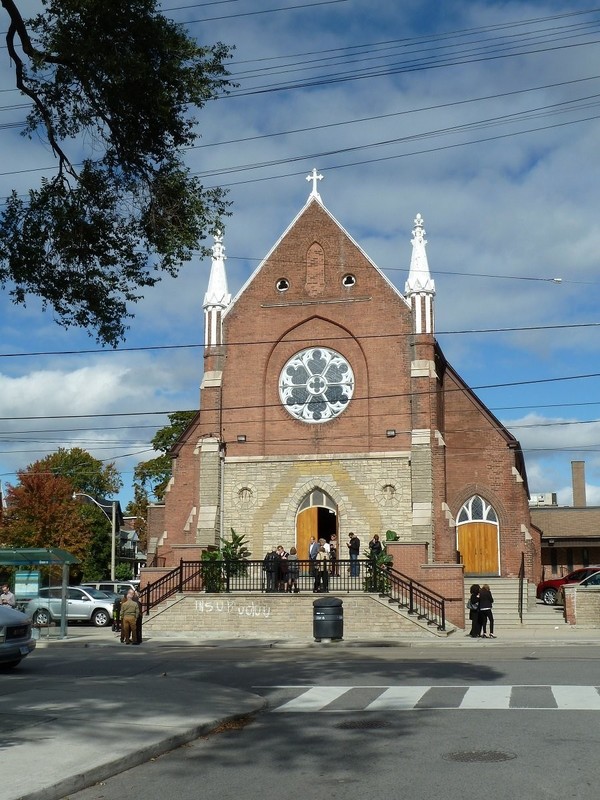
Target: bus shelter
(41, 557)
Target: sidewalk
(43, 755)
(59, 741)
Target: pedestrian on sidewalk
(485, 611)
(7, 598)
(473, 607)
(129, 613)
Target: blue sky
(482, 116)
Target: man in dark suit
(313, 549)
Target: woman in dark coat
(473, 606)
(485, 611)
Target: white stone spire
(217, 296)
(217, 293)
(420, 288)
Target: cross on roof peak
(314, 177)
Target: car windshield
(97, 595)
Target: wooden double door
(315, 521)
(478, 543)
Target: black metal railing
(521, 586)
(409, 594)
(344, 576)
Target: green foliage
(123, 572)
(233, 552)
(213, 578)
(391, 536)
(152, 476)
(85, 473)
(376, 579)
(117, 84)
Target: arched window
(317, 498)
(477, 510)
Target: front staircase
(505, 592)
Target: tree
(41, 511)
(152, 477)
(86, 473)
(118, 82)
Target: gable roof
(313, 199)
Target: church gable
(315, 259)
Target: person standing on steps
(322, 571)
(353, 545)
(486, 602)
(473, 607)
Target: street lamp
(112, 518)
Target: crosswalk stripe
(398, 698)
(314, 699)
(407, 698)
(495, 697)
(577, 698)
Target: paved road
(358, 722)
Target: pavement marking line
(314, 699)
(398, 698)
(496, 697)
(576, 698)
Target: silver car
(15, 636)
(83, 605)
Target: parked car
(116, 587)
(590, 580)
(83, 605)
(547, 591)
(15, 636)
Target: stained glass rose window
(316, 384)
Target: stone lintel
(211, 379)
(422, 368)
(421, 436)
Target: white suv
(83, 604)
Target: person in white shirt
(7, 598)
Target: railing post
(180, 587)
(411, 598)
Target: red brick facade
(409, 449)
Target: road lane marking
(398, 698)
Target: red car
(547, 591)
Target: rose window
(316, 384)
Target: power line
(146, 348)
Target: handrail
(417, 599)
(521, 583)
(345, 576)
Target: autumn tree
(118, 82)
(41, 510)
(41, 513)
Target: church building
(327, 407)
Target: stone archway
(317, 516)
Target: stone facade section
(372, 494)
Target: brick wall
(582, 606)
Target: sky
(482, 116)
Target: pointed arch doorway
(478, 537)
(317, 516)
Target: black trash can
(328, 618)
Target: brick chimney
(578, 479)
